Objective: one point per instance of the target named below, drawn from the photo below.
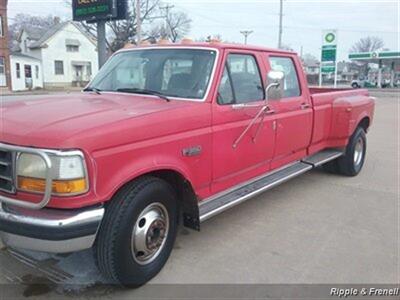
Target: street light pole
(138, 23)
(280, 24)
(246, 33)
(101, 42)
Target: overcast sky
(303, 20)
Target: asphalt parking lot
(317, 228)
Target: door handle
(269, 111)
(304, 106)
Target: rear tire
(138, 231)
(351, 163)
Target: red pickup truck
(166, 134)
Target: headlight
(68, 173)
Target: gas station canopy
(382, 58)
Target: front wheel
(351, 163)
(138, 232)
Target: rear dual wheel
(351, 163)
(138, 232)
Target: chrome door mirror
(275, 85)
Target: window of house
(59, 67)
(241, 81)
(2, 66)
(89, 69)
(1, 26)
(72, 48)
(291, 86)
(18, 68)
(37, 72)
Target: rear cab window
(291, 82)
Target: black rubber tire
(331, 167)
(345, 164)
(355, 86)
(113, 245)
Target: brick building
(5, 81)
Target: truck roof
(216, 45)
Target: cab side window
(291, 84)
(241, 81)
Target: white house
(26, 72)
(68, 54)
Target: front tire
(138, 232)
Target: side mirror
(275, 85)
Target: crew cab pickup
(163, 134)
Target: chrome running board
(232, 197)
(320, 158)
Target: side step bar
(232, 197)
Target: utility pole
(138, 23)
(101, 42)
(246, 33)
(280, 24)
(167, 8)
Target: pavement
(318, 228)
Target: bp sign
(328, 51)
(95, 10)
(330, 37)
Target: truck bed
(337, 111)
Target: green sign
(375, 55)
(93, 10)
(328, 53)
(328, 69)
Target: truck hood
(66, 121)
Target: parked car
(167, 134)
(362, 83)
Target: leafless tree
(308, 58)
(178, 24)
(367, 44)
(120, 32)
(286, 47)
(173, 28)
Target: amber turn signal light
(62, 187)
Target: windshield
(183, 73)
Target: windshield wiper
(92, 89)
(144, 92)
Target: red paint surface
(124, 136)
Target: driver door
(238, 159)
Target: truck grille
(7, 171)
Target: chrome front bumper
(49, 230)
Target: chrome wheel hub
(358, 152)
(150, 233)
